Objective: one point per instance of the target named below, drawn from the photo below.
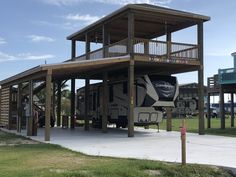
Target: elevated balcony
(227, 76)
(153, 49)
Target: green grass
(192, 126)
(39, 160)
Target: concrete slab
(147, 144)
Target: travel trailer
(153, 92)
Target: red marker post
(183, 142)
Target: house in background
(220, 84)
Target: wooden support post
(208, 110)
(72, 99)
(232, 109)
(168, 40)
(104, 103)
(183, 142)
(222, 107)
(86, 105)
(131, 90)
(72, 118)
(87, 82)
(59, 103)
(19, 107)
(131, 100)
(169, 119)
(48, 105)
(200, 80)
(30, 118)
(54, 100)
(10, 109)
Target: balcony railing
(146, 47)
(227, 76)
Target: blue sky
(33, 31)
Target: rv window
(125, 87)
(111, 93)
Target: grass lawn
(29, 160)
(192, 126)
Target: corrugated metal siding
(4, 119)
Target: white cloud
(4, 57)
(2, 41)
(37, 38)
(86, 19)
(117, 2)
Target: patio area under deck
(147, 144)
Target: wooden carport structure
(128, 50)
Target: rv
(153, 93)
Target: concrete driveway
(147, 144)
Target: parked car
(213, 112)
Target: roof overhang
(155, 19)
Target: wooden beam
(48, 105)
(201, 130)
(232, 109)
(222, 108)
(59, 103)
(86, 106)
(19, 107)
(72, 119)
(208, 110)
(30, 118)
(104, 102)
(72, 100)
(169, 119)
